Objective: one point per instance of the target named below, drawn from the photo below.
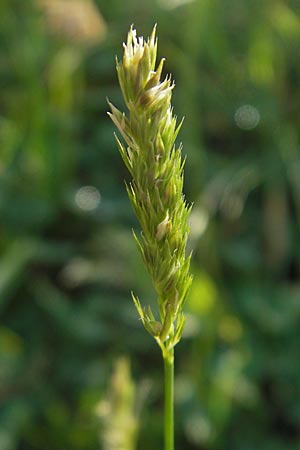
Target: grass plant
(149, 130)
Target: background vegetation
(68, 261)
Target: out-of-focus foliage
(68, 260)
(117, 411)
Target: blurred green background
(68, 261)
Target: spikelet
(149, 131)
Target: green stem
(169, 400)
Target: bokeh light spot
(203, 294)
(172, 4)
(247, 117)
(198, 429)
(199, 220)
(87, 198)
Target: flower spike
(149, 131)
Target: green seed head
(149, 131)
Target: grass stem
(169, 401)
